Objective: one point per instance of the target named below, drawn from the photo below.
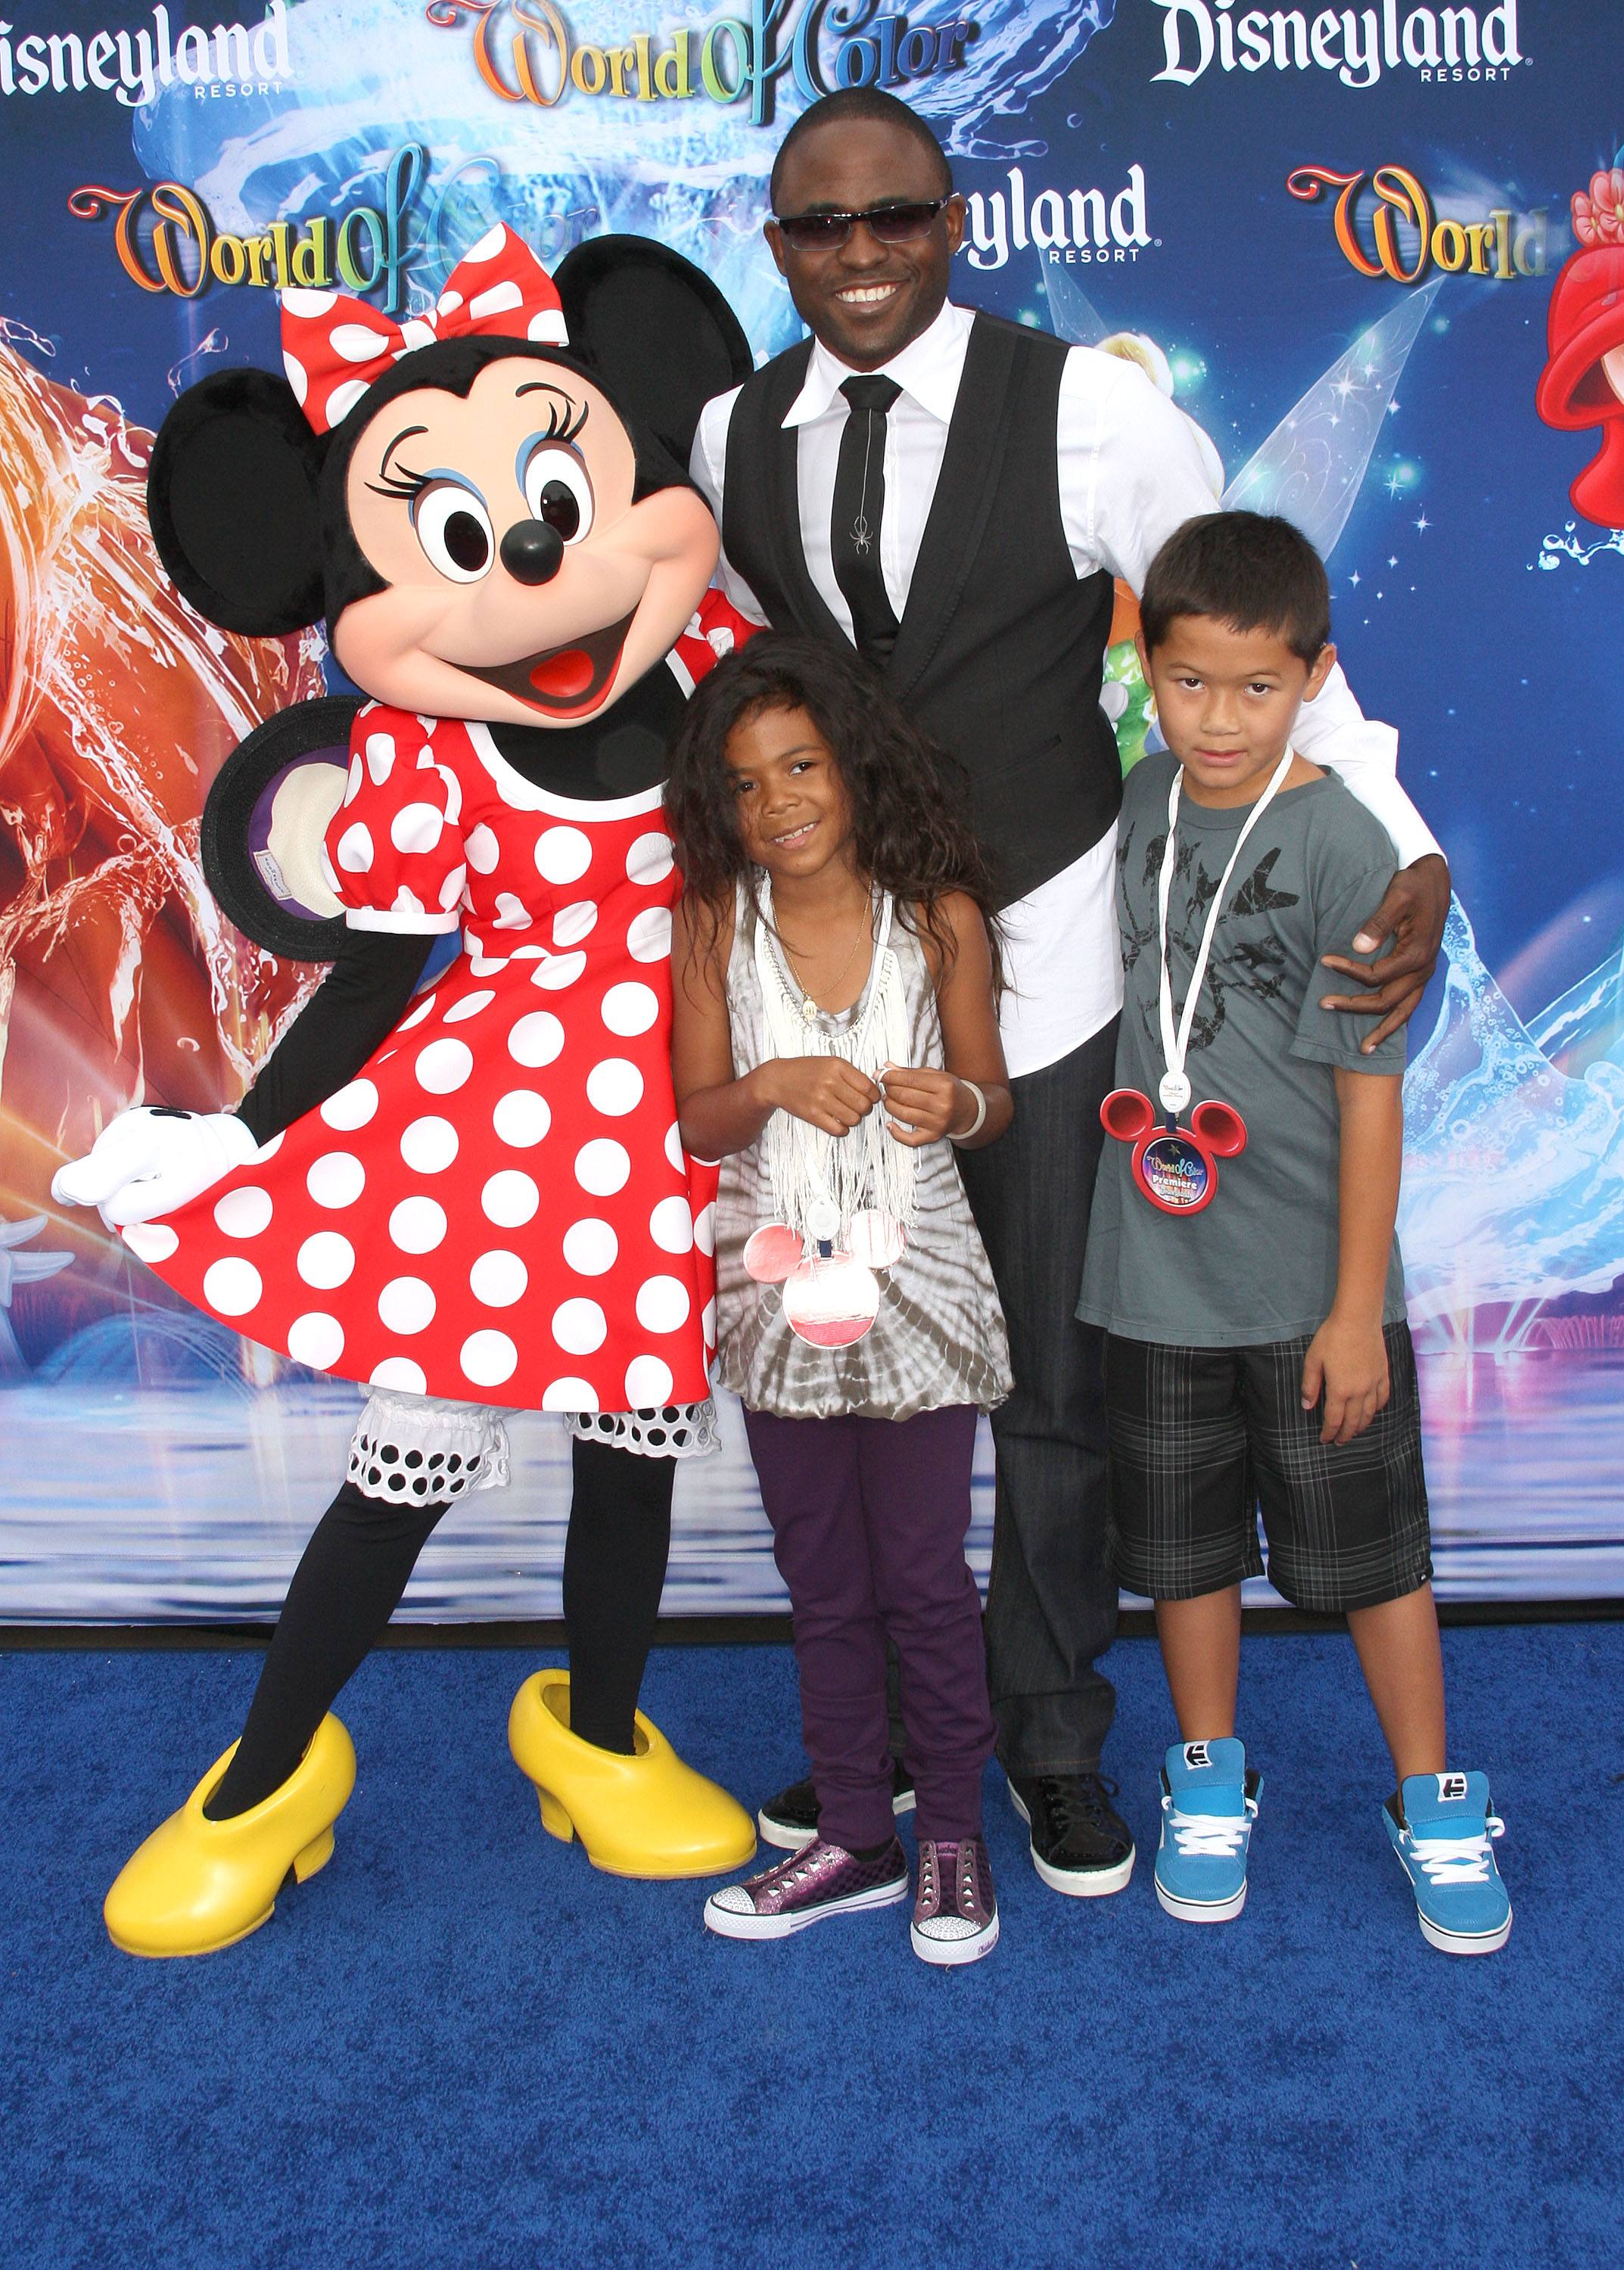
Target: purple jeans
(869, 1520)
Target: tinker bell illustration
(1310, 468)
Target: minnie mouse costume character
(474, 1199)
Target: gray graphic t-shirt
(1259, 1264)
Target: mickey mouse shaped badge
(1175, 1166)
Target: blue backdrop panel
(1377, 253)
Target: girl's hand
(924, 1105)
(1349, 1362)
(827, 1092)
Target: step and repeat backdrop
(1377, 253)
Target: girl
(835, 1032)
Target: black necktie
(859, 502)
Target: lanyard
(1173, 1091)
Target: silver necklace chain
(809, 1007)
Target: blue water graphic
(372, 74)
(1514, 1167)
(193, 1504)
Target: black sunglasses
(827, 232)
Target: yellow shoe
(647, 1815)
(196, 1885)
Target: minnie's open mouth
(562, 680)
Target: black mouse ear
(231, 493)
(263, 823)
(658, 330)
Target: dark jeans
(869, 1520)
(1051, 1605)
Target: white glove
(152, 1160)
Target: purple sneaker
(956, 1914)
(824, 1879)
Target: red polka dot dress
(498, 1209)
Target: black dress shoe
(790, 1818)
(1080, 1843)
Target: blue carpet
(462, 2045)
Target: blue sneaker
(1445, 1845)
(1208, 1802)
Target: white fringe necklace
(868, 1169)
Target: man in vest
(954, 494)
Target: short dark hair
(1251, 569)
(871, 102)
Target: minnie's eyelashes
(399, 481)
(565, 427)
(565, 417)
(403, 483)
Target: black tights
(354, 1569)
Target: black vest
(1000, 647)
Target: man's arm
(1333, 730)
(707, 471)
(1131, 470)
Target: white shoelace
(1457, 1860)
(1210, 1835)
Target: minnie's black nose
(532, 553)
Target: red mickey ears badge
(334, 347)
(1176, 1167)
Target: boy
(1257, 1348)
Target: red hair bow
(335, 348)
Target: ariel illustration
(1582, 382)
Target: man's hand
(1412, 916)
(1349, 1362)
(827, 1092)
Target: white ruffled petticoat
(423, 1450)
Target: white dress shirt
(1132, 467)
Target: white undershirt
(1131, 468)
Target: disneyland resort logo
(1069, 227)
(136, 65)
(1440, 45)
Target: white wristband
(974, 1127)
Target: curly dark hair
(905, 794)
